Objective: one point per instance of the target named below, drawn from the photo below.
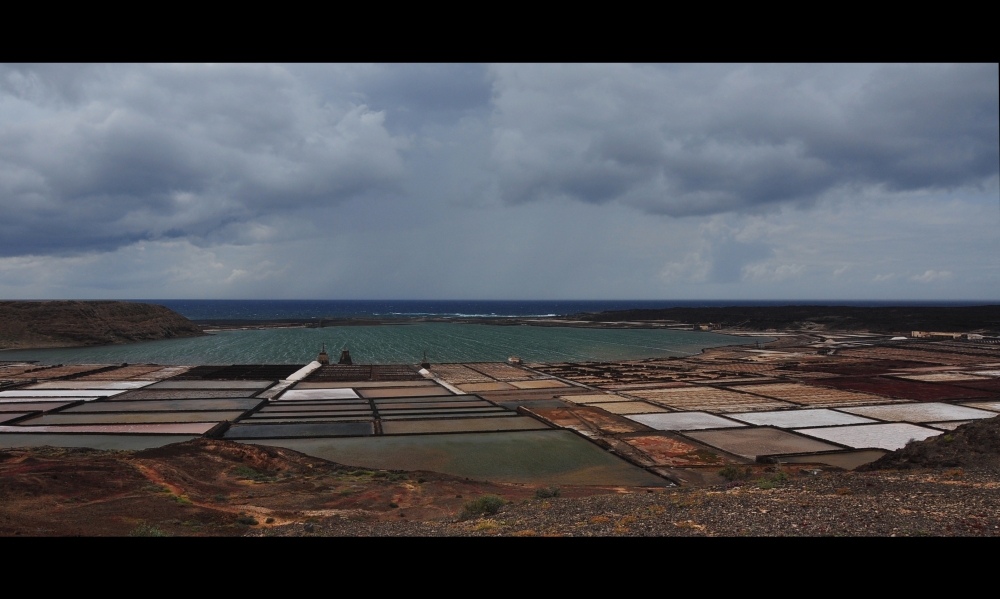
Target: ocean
(394, 344)
(406, 343)
(287, 309)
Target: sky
(537, 181)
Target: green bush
(772, 481)
(546, 493)
(486, 505)
(734, 472)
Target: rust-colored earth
(216, 488)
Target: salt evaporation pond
(396, 344)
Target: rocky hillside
(69, 323)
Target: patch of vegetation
(182, 499)
(485, 505)
(147, 530)
(734, 472)
(269, 521)
(380, 474)
(421, 481)
(770, 482)
(486, 525)
(393, 504)
(247, 521)
(249, 473)
(220, 497)
(547, 493)
(947, 438)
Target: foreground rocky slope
(211, 487)
(70, 323)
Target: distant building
(345, 357)
(929, 334)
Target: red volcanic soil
(216, 488)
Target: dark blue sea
(403, 343)
(298, 309)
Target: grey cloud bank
(504, 181)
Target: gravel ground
(885, 503)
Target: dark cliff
(70, 323)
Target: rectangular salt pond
(429, 399)
(666, 451)
(708, 399)
(548, 457)
(596, 398)
(436, 404)
(473, 387)
(993, 406)
(325, 407)
(184, 405)
(306, 394)
(249, 385)
(311, 415)
(470, 411)
(130, 418)
(106, 442)
(444, 415)
(274, 413)
(318, 429)
(460, 425)
(542, 384)
(947, 426)
(813, 396)
(883, 436)
(194, 428)
(8, 416)
(923, 412)
(941, 377)
(752, 442)
(122, 385)
(65, 393)
(401, 392)
(629, 407)
(366, 384)
(801, 418)
(53, 400)
(848, 460)
(304, 420)
(683, 421)
(143, 394)
(39, 406)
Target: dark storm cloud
(98, 157)
(700, 141)
(92, 160)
